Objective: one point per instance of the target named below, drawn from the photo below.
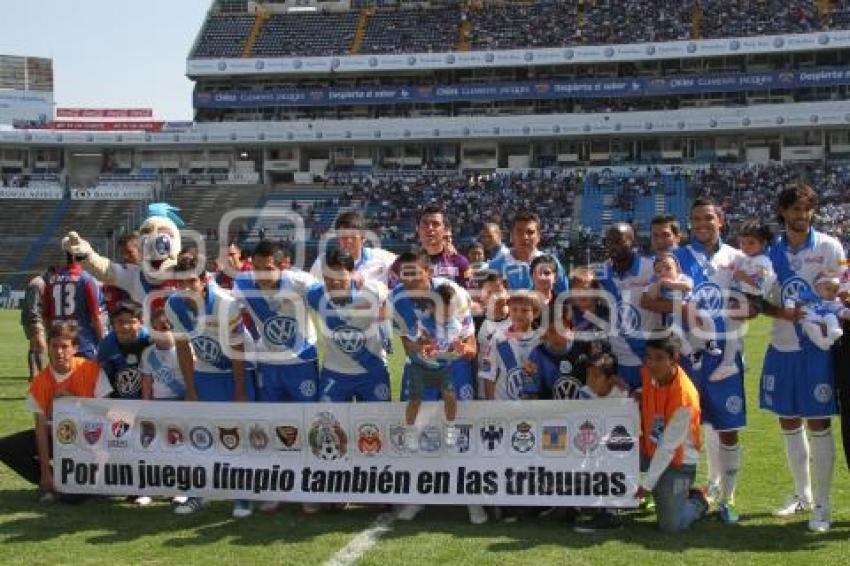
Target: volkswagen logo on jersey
(566, 388)
(709, 298)
(349, 339)
(207, 349)
(514, 383)
(793, 289)
(629, 318)
(280, 330)
(128, 382)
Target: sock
(712, 454)
(797, 453)
(823, 462)
(730, 463)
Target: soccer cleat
(46, 497)
(451, 435)
(242, 509)
(603, 520)
(192, 505)
(477, 514)
(408, 512)
(819, 522)
(411, 440)
(179, 500)
(712, 492)
(700, 498)
(267, 507)
(143, 501)
(794, 505)
(727, 513)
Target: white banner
(32, 193)
(117, 192)
(548, 453)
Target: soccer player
(493, 308)
(369, 263)
(432, 229)
(28, 453)
(797, 383)
(207, 322)
(128, 246)
(71, 293)
(720, 378)
(355, 362)
(664, 233)
(624, 276)
(32, 321)
(512, 375)
(670, 437)
(491, 240)
(515, 265)
(120, 353)
(160, 368)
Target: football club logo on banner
(66, 432)
(258, 438)
(369, 441)
(430, 439)
(619, 439)
(491, 434)
(147, 433)
(288, 437)
(201, 438)
(586, 439)
(554, 438)
(92, 432)
(524, 437)
(463, 442)
(119, 430)
(229, 437)
(174, 436)
(396, 438)
(327, 439)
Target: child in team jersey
(442, 340)
(824, 311)
(602, 379)
(754, 274)
(559, 362)
(670, 283)
(161, 375)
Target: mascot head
(160, 236)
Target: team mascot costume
(159, 244)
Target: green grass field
(119, 533)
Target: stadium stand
(390, 31)
(223, 35)
(306, 35)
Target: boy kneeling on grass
(670, 436)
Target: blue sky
(109, 53)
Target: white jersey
(759, 268)
(284, 327)
(632, 323)
(489, 329)
(796, 273)
(507, 357)
(164, 369)
(374, 264)
(132, 280)
(211, 333)
(352, 340)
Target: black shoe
(598, 522)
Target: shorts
(798, 384)
(335, 387)
(723, 403)
(631, 375)
(461, 371)
(221, 387)
(292, 383)
(422, 377)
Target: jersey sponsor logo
(734, 404)
(793, 289)
(288, 437)
(128, 382)
(466, 392)
(66, 432)
(349, 339)
(92, 432)
(523, 439)
(229, 437)
(619, 440)
(709, 298)
(207, 349)
(514, 382)
(308, 388)
(280, 330)
(491, 434)
(823, 393)
(258, 438)
(147, 433)
(566, 388)
(369, 442)
(201, 438)
(628, 318)
(586, 439)
(382, 392)
(768, 382)
(327, 438)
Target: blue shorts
(723, 403)
(798, 384)
(221, 387)
(631, 375)
(370, 387)
(293, 383)
(461, 379)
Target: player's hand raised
(76, 246)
